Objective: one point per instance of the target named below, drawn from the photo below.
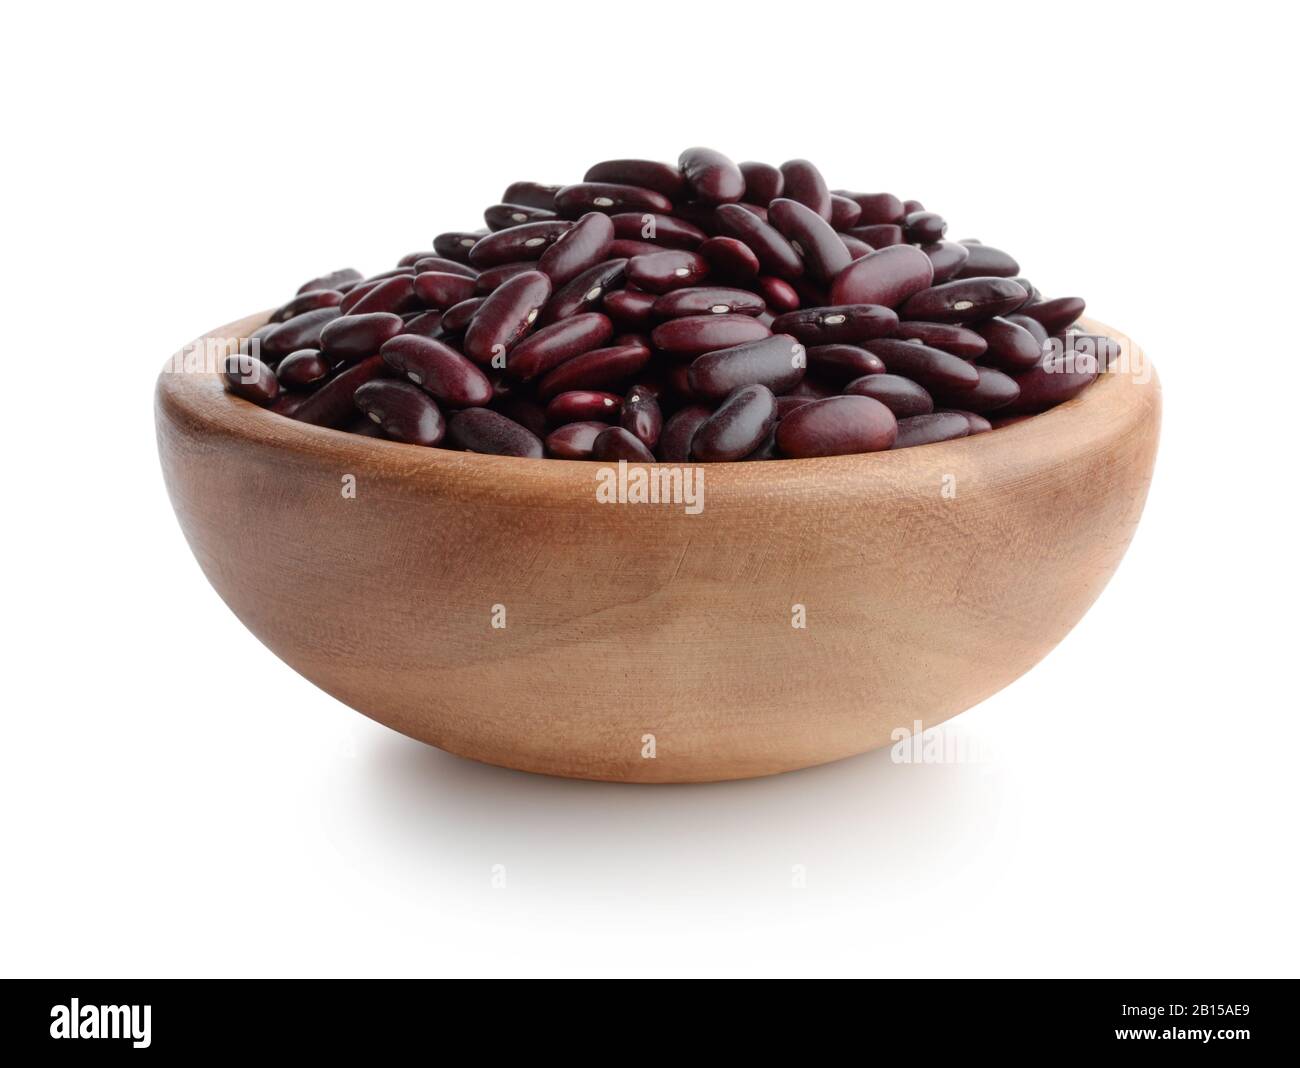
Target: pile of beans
(710, 311)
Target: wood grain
(628, 620)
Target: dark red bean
(457, 318)
(614, 443)
(947, 257)
(249, 378)
(837, 426)
(455, 245)
(504, 216)
(486, 431)
(964, 300)
(838, 364)
(583, 405)
(437, 263)
(557, 343)
(585, 292)
(711, 176)
(490, 280)
(804, 183)
(1057, 379)
(1055, 315)
(924, 227)
(625, 248)
(775, 254)
(994, 390)
(887, 277)
(607, 368)
(985, 261)
(584, 246)
(396, 294)
(849, 323)
(708, 300)
(641, 415)
(1035, 297)
(573, 441)
(1097, 347)
(438, 289)
(693, 335)
(331, 281)
(857, 249)
(303, 369)
(331, 405)
(845, 213)
(610, 198)
(910, 206)
(1034, 327)
(738, 427)
(403, 412)
(631, 309)
(354, 337)
(300, 332)
(778, 294)
(663, 271)
(438, 369)
(1010, 345)
(777, 362)
(531, 194)
(929, 429)
(423, 324)
(517, 244)
(877, 208)
(675, 440)
(663, 178)
(959, 340)
(305, 302)
(813, 238)
(662, 230)
(788, 402)
(729, 259)
(506, 316)
(900, 395)
(880, 235)
(930, 367)
(763, 182)
(525, 411)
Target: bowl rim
(1114, 404)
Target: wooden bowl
(641, 643)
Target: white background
(175, 801)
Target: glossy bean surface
(836, 426)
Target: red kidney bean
(573, 441)
(755, 210)
(857, 249)
(880, 235)
(403, 412)
(303, 369)
(331, 405)
(777, 362)
(929, 429)
(486, 431)
(693, 335)
(436, 289)
(354, 294)
(517, 244)
(505, 316)
(525, 411)
(304, 302)
(663, 178)
(614, 443)
(437, 263)
(804, 183)
(930, 367)
(708, 300)
(598, 369)
(839, 323)
(609, 198)
(1055, 315)
(631, 309)
(1035, 297)
(531, 194)
(887, 277)
(354, 337)
(396, 294)
(994, 390)
(456, 244)
(582, 405)
(836, 426)
(978, 424)
(438, 369)
(1010, 345)
(555, 344)
(423, 324)
(910, 206)
(738, 427)
(959, 340)
(711, 176)
(763, 182)
(300, 332)
(844, 212)
(985, 261)
(1104, 350)
(775, 254)
(504, 216)
(900, 395)
(947, 257)
(788, 402)
(730, 259)
(491, 279)
(924, 227)
(838, 364)
(641, 415)
(675, 440)
(663, 231)
(812, 237)
(248, 377)
(578, 250)
(456, 318)
(661, 272)
(330, 281)
(1053, 381)
(877, 208)
(586, 291)
(779, 295)
(965, 300)
(1035, 328)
